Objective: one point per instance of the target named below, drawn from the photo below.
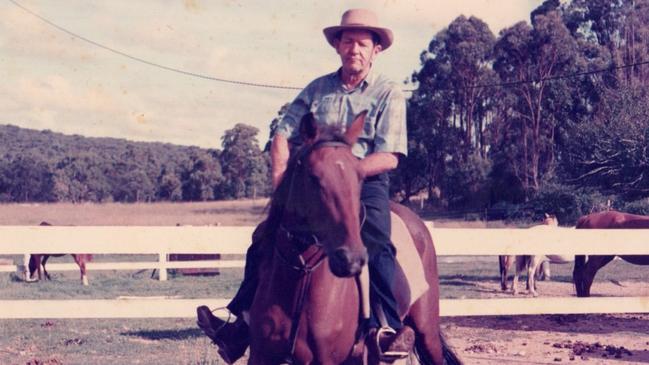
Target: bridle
(302, 241)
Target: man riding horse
(333, 99)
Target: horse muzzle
(344, 262)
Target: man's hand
(379, 162)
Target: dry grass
(237, 213)
(228, 213)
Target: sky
(55, 80)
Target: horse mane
(278, 199)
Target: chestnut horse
(307, 308)
(586, 266)
(37, 264)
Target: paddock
(158, 326)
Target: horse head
(550, 220)
(322, 187)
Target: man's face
(357, 50)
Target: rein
(306, 271)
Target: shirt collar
(369, 79)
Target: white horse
(536, 265)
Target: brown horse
(586, 266)
(308, 306)
(37, 264)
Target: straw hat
(360, 19)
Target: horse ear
(547, 215)
(308, 127)
(355, 129)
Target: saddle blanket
(410, 279)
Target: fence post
(162, 269)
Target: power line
(272, 86)
(150, 63)
(550, 78)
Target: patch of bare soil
(551, 339)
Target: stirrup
(388, 355)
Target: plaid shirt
(331, 105)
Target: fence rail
(235, 240)
(161, 307)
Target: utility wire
(271, 86)
(550, 78)
(138, 59)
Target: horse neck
(325, 296)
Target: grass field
(178, 341)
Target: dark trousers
(375, 233)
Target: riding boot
(232, 339)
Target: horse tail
(449, 355)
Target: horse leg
(504, 262)
(521, 262)
(43, 262)
(544, 270)
(585, 271)
(533, 265)
(424, 319)
(80, 260)
(34, 267)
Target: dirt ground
(608, 339)
(550, 339)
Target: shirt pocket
(327, 110)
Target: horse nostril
(345, 263)
(341, 255)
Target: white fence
(235, 240)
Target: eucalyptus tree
(620, 28)
(528, 59)
(449, 110)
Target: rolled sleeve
(391, 131)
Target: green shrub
(637, 207)
(566, 202)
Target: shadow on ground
(176, 335)
(568, 323)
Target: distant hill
(48, 166)
(15, 138)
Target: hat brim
(385, 35)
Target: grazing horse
(587, 266)
(37, 264)
(308, 306)
(532, 263)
